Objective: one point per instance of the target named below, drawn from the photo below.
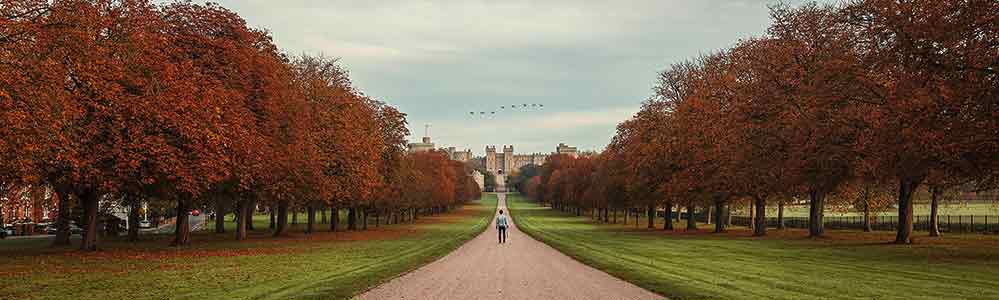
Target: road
(523, 268)
(196, 223)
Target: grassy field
(319, 266)
(952, 209)
(262, 220)
(784, 265)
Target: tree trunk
(220, 216)
(311, 225)
(816, 210)
(780, 215)
(182, 230)
(652, 216)
(691, 222)
(364, 220)
(334, 218)
(91, 205)
(668, 217)
(907, 186)
(294, 216)
(626, 213)
(62, 221)
(273, 214)
(322, 215)
(282, 218)
(760, 218)
(935, 194)
(241, 218)
(251, 211)
(352, 218)
(867, 216)
(133, 218)
(722, 213)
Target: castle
(494, 162)
(506, 161)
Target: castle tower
(491, 158)
(508, 159)
(424, 145)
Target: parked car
(73, 229)
(195, 212)
(145, 224)
(6, 231)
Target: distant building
(565, 149)
(29, 205)
(497, 163)
(507, 161)
(462, 156)
(423, 146)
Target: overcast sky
(590, 63)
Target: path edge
(388, 279)
(542, 241)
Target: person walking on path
(501, 224)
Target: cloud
(580, 119)
(590, 62)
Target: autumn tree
(937, 76)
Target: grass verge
(784, 265)
(323, 265)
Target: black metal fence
(959, 223)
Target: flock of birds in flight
(514, 107)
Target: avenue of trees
(864, 102)
(118, 103)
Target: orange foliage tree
(183, 106)
(834, 103)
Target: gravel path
(523, 268)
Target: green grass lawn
(947, 209)
(319, 266)
(261, 221)
(784, 265)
